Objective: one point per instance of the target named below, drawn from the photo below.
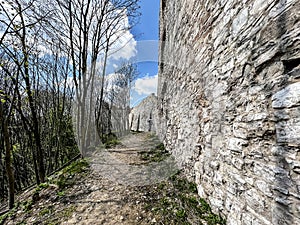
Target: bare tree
(8, 92)
(90, 28)
(44, 46)
(36, 132)
(127, 74)
(7, 100)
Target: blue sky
(141, 47)
(146, 34)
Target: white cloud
(125, 47)
(146, 85)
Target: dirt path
(120, 187)
(115, 185)
(110, 193)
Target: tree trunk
(8, 161)
(36, 132)
(100, 111)
(26, 77)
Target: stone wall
(143, 117)
(229, 103)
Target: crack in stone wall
(229, 103)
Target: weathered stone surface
(143, 117)
(287, 97)
(229, 103)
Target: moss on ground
(110, 140)
(178, 201)
(54, 188)
(173, 202)
(57, 218)
(157, 154)
(65, 177)
(180, 204)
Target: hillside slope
(83, 193)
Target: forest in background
(56, 100)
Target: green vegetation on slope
(157, 154)
(176, 202)
(51, 191)
(110, 140)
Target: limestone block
(255, 200)
(263, 170)
(287, 97)
(264, 187)
(201, 191)
(238, 163)
(218, 178)
(232, 188)
(249, 180)
(296, 166)
(280, 215)
(283, 200)
(242, 58)
(257, 218)
(256, 89)
(239, 179)
(240, 130)
(236, 144)
(240, 21)
(288, 132)
(281, 114)
(216, 202)
(258, 6)
(266, 55)
(256, 116)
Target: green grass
(65, 177)
(8, 214)
(61, 193)
(27, 205)
(112, 143)
(182, 184)
(21, 223)
(157, 154)
(110, 140)
(3, 217)
(78, 166)
(181, 213)
(136, 132)
(44, 185)
(58, 217)
(180, 204)
(45, 211)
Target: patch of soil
(98, 196)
